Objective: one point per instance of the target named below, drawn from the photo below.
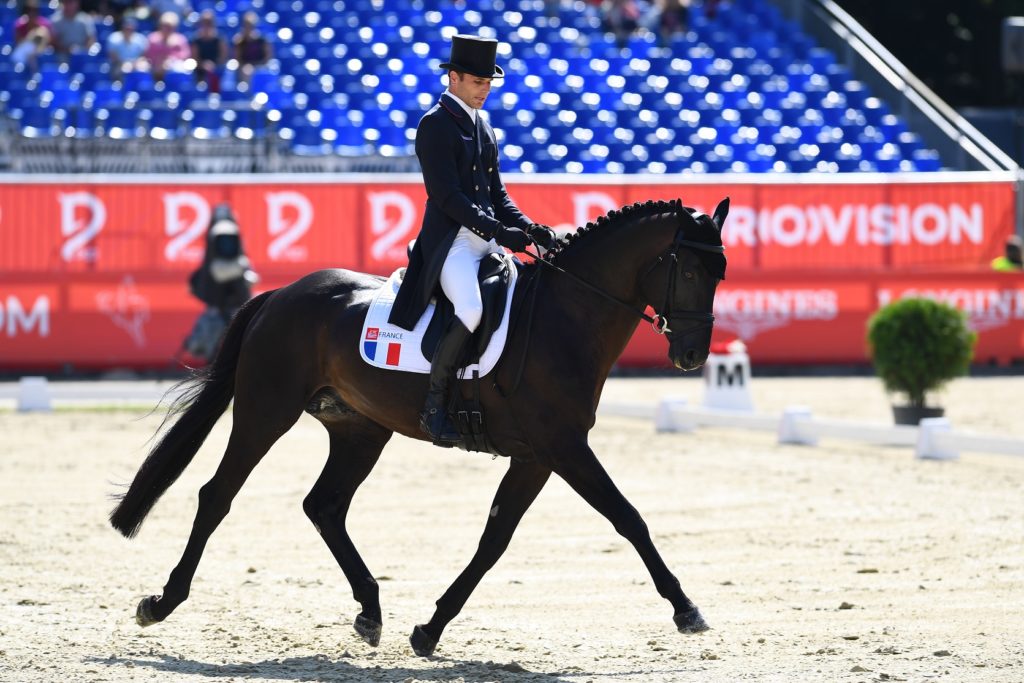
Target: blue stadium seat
(249, 123)
(163, 123)
(37, 121)
(926, 160)
(119, 122)
(309, 140)
(205, 123)
(78, 122)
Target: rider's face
(472, 90)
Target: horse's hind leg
(517, 491)
(259, 419)
(356, 443)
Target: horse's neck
(614, 263)
(616, 256)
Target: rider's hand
(513, 238)
(543, 236)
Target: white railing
(934, 438)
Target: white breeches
(458, 276)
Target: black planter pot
(912, 415)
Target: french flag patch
(393, 350)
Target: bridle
(659, 321)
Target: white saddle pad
(388, 346)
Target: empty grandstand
(745, 90)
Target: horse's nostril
(690, 356)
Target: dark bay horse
(295, 349)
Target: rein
(658, 321)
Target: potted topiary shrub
(917, 345)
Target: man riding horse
(468, 215)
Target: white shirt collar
(469, 110)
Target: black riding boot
(434, 419)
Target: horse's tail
(204, 399)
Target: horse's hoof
(144, 612)
(368, 629)
(690, 621)
(422, 644)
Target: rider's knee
(471, 316)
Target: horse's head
(683, 292)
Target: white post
(792, 426)
(665, 421)
(928, 446)
(33, 394)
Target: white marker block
(33, 394)
(727, 382)
(929, 440)
(793, 426)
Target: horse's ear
(721, 211)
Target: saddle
(494, 276)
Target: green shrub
(917, 345)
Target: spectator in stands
(673, 19)
(73, 29)
(126, 48)
(711, 8)
(29, 20)
(251, 49)
(182, 8)
(1012, 259)
(223, 281)
(27, 51)
(167, 49)
(121, 8)
(209, 50)
(622, 17)
(32, 34)
(468, 216)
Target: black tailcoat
(459, 161)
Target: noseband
(659, 321)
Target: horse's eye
(688, 274)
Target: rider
(468, 215)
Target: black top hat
(474, 55)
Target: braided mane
(634, 211)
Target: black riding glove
(543, 236)
(513, 238)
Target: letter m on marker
(730, 377)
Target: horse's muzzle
(690, 359)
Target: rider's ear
(721, 211)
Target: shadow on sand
(344, 669)
(321, 668)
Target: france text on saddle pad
(388, 346)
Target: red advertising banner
(814, 320)
(93, 272)
(290, 227)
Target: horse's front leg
(517, 491)
(579, 467)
